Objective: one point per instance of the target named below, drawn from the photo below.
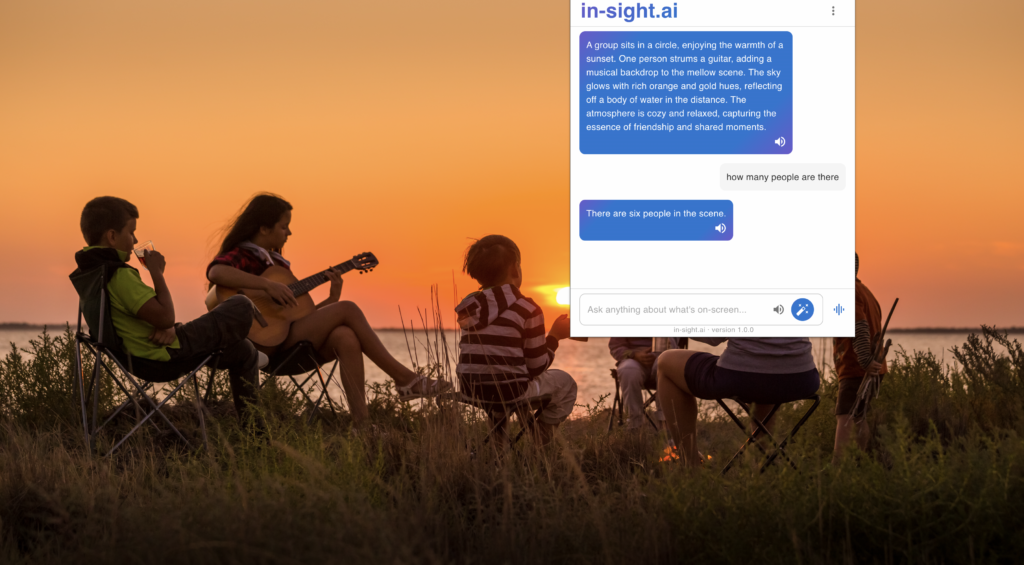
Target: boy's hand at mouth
(155, 261)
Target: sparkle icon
(802, 309)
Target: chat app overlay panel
(712, 159)
(677, 92)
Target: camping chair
(501, 412)
(108, 353)
(302, 359)
(617, 403)
(761, 429)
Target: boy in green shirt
(143, 317)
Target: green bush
(40, 391)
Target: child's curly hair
(490, 258)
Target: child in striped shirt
(503, 354)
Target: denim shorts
(707, 380)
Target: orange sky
(398, 139)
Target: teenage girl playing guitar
(252, 244)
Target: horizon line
(924, 329)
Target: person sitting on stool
(638, 369)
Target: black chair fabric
(89, 285)
(298, 359)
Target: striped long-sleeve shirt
(503, 345)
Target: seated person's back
(503, 354)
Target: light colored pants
(562, 389)
(632, 376)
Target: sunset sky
(447, 121)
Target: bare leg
(679, 406)
(343, 344)
(844, 430)
(863, 434)
(317, 327)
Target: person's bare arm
(336, 283)
(230, 277)
(158, 311)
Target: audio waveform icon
(839, 309)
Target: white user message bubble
(773, 176)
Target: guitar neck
(309, 283)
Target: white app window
(712, 168)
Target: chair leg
(751, 438)
(496, 427)
(530, 422)
(796, 428)
(209, 386)
(81, 390)
(761, 428)
(142, 392)
(156, 410)
(199, 411)
(621, 408)
(95, 398)
(94, 385)
(616, 402)
(323, 391)
(129, 402)
(302, 390)
(650, 400)
(201, 402)
(283, 363)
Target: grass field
(943, 482)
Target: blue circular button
(802, 309)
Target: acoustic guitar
(273, 321)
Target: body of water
(588, 362)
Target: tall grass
(943, 483)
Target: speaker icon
(779, 309)
(839, 309)
(781, 142)
(720, 228)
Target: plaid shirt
(241, 259)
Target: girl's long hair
(263, 210)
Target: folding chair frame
(617, 403)
(298, 349)
(101, 355)
(761, 429)
(521, 408)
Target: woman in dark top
(762, 371)
(252, 244)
